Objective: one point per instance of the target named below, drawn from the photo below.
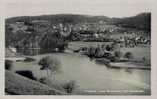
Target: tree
(118, 54)
(43, 80)
(146, 61)
(99, 52)
(51, 64)
(8, 65)
(70, 86)
(108, 48)
(50, 41)
(114, 46)
(91, 51)
(128, 55)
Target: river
(91, 76)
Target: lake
(91, 76)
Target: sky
(110, 8)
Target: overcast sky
(111, 8)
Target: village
(93, 32)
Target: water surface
(92, 76)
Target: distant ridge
(62, 18)
(140, 21)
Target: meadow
(138, 52)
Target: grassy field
(138, 52)
(19, 85)
(78, 44)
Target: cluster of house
(81, 31)
(134, 41)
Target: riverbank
(122, 65)
(128, 66)
(140, 55)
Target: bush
(26, 73)
(70, 86)
(50, 63)
(43, 80)
(118, 54)
(51, 83)
(128, 55)
(108, 48)
(114, 59)
(99, 52)
(28, 59)
(8, 64)
(146, 61)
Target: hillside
(141, 21)
(19, 85)
(61, 18)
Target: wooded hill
(140, 21)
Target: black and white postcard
(78, 47)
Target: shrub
(118, 54)
(49, 63)
(8, 64)
(28, 59)
(99, 52)
(103, 61)
(128, 55)
(43, 80)
(52, 83)
(63, 46)
(26, 73)
(143, 59)
(114, 59)
(70, 86)
(108, 48)
(146, 61)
